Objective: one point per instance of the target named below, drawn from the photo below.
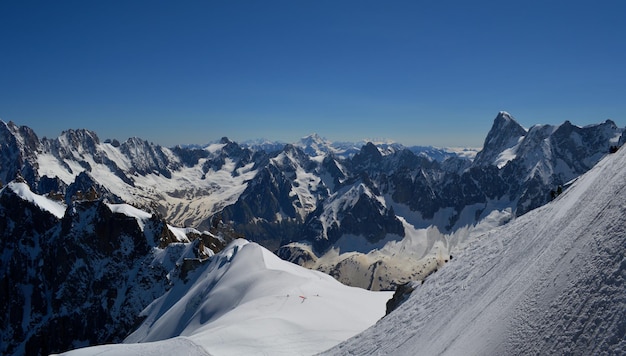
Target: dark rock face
(147, 158)
(402, 293)
(79, 280)
(295, 254)
(18, 148)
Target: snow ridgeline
(247, 301)
(550, 282)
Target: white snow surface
(550, 282)
(23, 191)
(508, 154)
(130, 211)
(247, 301)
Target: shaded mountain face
(284, 196)
(81, 275)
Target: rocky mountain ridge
(318, 201)
(79, 264)
(78, 275)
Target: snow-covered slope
(247, 301)
(550, 282)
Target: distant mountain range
(374, 217)
(315, 146)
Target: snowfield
(247, 301)
(549, 282)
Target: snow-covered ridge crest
(22, 190)
(246, 300)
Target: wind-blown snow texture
(247, 301)
(550, 282)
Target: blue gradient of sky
(418, 72)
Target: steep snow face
(22, 190)
(550, 282)
(247, 301)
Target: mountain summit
(504, 135)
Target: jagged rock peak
(369, 157)
(21, 134)
(295, 152)
(78, 138)
(504, 134)
(370, 150)
(11, 126)
(505, 121)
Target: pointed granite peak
(368, 156)
(506, 119)
(504, 134)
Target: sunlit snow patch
(130, 211)
(23, 191)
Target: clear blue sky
(418, 72)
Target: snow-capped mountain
(80, 261)
(550, 282)
(309, 205)
(316, 146)
(81, 274)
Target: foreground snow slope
(550, 282)
(246, 301)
